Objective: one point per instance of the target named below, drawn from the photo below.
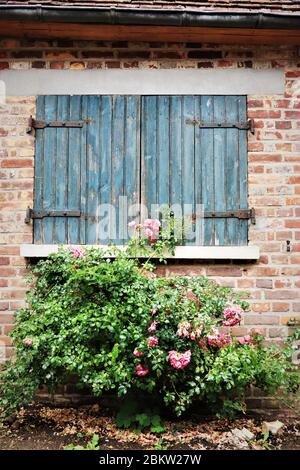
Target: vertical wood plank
(93, 168)
(131, 155)
(38, 171)
(105, 233)
(219, 169)
(61, 170)
(176, 155)
(163, 152)
(199, 222)
(49, 168)
(74, 170)
(207, 157)
(149, 153)
(188, 167)
(118, 141)
(83, 170)
(232, 169)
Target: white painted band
(143, 82)
(181, 252)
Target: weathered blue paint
(144, 148)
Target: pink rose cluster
(218, 340)
(152, 341)
(77, 252)
(28, 342)
(179, 360)
(242, 340)
(141, 371)
(152, 327)
(151, 227)
(183, 329)
(196, 333)
(232, 315)
(137, 353)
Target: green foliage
(93, 444)
(87, 315)
(139, 417)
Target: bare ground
(52, 428)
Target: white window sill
(181, 252)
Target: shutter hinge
(238, 214)
(244, 125)
(40, 214)
(34, 124)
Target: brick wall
(274, 170)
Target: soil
(53, 428)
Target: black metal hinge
(244, 125)
(34, 124)
(238, 214)
(41, 214)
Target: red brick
(205, 65)
(261, 320)
(204, 54)
(129, 54)
(264, 113)
(292, 114)
(224, 271)
(264, 283)
(282, 294)
(17, 163)
(4, 306)
(7, 318)
(280, 307)
(255, 103)
(283, 124)
(265, 158)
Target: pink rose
(178, 360)
(218, 340)
(152, 327)
(148, 233)
(131, 224)
(141, 371)
(183, 329)
(152, 341)
(137, 353)
(232, 315)
(77, 252)
(154, 311)
(28, 342)
(242, 340)
(153, 225)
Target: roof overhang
(50, 21)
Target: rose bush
(119, 330)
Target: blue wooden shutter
(77, 169)
(188, 165)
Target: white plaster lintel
(181, 252)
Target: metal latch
(36, 124)
(238, 214)
(244, 125)
(41, 214)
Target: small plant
(132, 415)
(93, 444)
(161, 445)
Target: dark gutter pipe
(122, 16)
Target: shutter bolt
(288, 246)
